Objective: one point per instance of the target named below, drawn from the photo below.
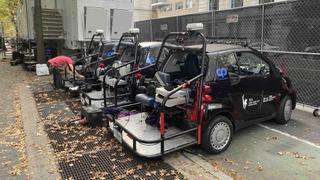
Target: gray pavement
(41, 159)
(272, 151)
(302, 125)
(12, 156)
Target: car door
(247, 88)
(271, 85)
(228, 87)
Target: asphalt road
(272, 151)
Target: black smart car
(201, 93)
(246, 88)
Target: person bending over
(60, 64)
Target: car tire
(285, 110)
(316, 113)
(217, 136)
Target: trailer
(71, 24)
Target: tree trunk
(38, 32)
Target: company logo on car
(244, 102)
(222, 73)
(268, 99)
(249, 102)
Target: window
(220, 66)
(251, 64)
(189, 4)
(179, 5)
(213, 5)
(236, 3)
(150, 55)
(166, 8)
(265, 1)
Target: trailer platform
(145, 140)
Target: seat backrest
(191, 68)
(163, 78)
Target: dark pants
(57, 79)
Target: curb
(194, 167)
(41, 159)
(305, 108)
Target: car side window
(229, 62)
(221, 66)
(251, 64)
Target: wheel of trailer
(217, 136)
(285, 110)
(316, 112)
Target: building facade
(165, 8)
(229, 4)
(142, 10)
(153, 9)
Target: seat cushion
(112, 82)
(181, 93)
(145, 100)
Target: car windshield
(148, 56)
(126, 53)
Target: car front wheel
(217, 135)
(285, 111)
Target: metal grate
(51, 96)
(87, 153)
(116, 166)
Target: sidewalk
(12, 152)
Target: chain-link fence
(287, 32)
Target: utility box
(95, 19)
(117, 29)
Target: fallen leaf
(139, 166)
(280, 153)
(233, 162)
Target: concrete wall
(203, 5)
(142, 10)
(250, 2)
(226, 4)
(198, 6)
